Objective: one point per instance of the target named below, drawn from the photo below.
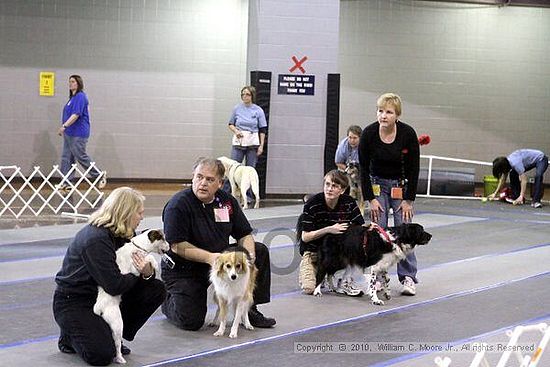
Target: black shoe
(125, 350)
(64, 346)
(257, 319)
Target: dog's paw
(119, 359)
(248, 326)
(387, 296)
(218, 333)
(377, 302)
(233, 335)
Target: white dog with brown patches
(234, 278)
(242, 178)
(108, 306)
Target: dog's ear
(218, 265)
(155, 235)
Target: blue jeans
(540, 167)
(238, 154)
(74, 150)
(406, 267)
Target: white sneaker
(348, 288)
(409, 288)
(103, 180)
(536, 205)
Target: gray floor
(485, 271)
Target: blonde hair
(390, 99)
(117, 211)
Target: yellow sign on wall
(47, 83)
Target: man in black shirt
(197, 224)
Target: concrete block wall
(162, 77)
(280, 29)
(475, 78)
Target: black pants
(89, 334)
(186, 302)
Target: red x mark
(298, 64)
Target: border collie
(362, 247)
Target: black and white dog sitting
(361, 247)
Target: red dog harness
(373, 226)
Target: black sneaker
(125, 350)
(257, 319)
(64, 346)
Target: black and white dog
(108, 306)
(362, 246)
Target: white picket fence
(37, 192)
(526, 360)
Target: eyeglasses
(332, 185)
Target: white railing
(431, 159)
(480, 359)
(44, 193)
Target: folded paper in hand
(249, 139)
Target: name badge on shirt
(221, 215)
(376, 189)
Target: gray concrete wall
(475, 78)
(280, 29)
(161, 76)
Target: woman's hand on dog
(143, 266)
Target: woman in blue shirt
(248, 125)
(75, 130)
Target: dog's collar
(234, 167)
(139, 247)
(380, 230)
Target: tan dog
(233, 276)
(242, 178)
(352, 170)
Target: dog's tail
(255, 186)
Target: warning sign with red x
(298, 64)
